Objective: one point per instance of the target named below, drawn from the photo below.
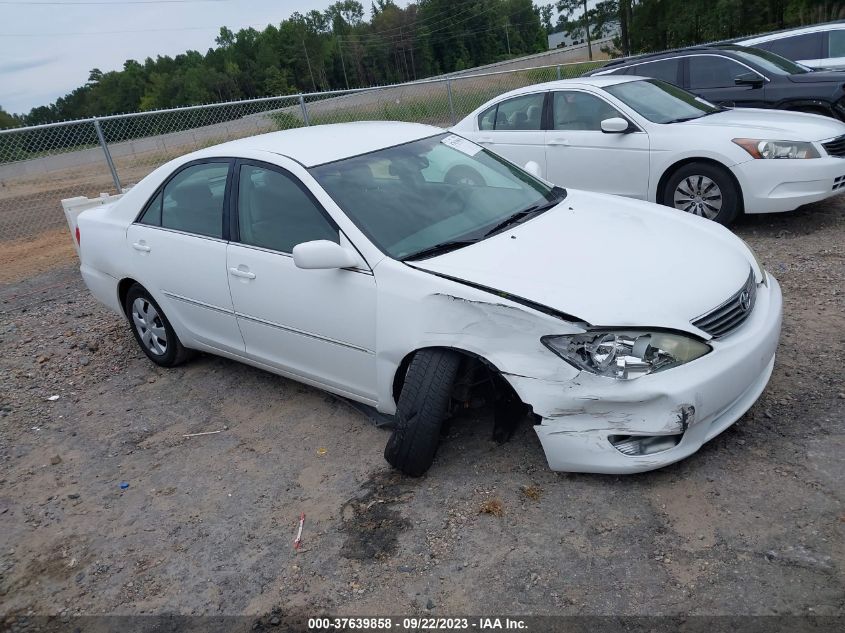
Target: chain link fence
(41, 165)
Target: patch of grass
(532, 492)
(492, 506)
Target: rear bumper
(771, 186)
(696, 401)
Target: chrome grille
(836, 147)
(838, 182)
(732, 313)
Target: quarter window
(275, 212)
(575, 110)
(192, 201)
(712, 71)
(520, 113)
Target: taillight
(77, 236)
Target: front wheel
(152, 330)
(423, 406)
(704, 190)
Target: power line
(72, 33)
(55, 3)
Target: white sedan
(647, 139)
(355, 258)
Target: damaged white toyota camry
(411, 270)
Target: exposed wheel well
(478, 382)
(672, 168)
(123, 289)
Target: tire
(158, 340)
(464, 175)
(422, 408)
(695, 178)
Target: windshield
(661, 102)
(768, 62)
(412, 198)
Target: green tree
(7, 120)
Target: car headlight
(762, 148)
(625, 354)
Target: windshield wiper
(693, 118)
(439, 249)
(534, 209)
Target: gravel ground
(752, 524)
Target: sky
(48, 47)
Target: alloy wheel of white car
(699, 195)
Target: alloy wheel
(698, 195)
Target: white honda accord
(648, 139)
(358, 259)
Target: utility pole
(508, 37)
(587, 28)
(342, 63)
(308, 61)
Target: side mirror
(616, 125)
(749, 79)
(323, 254)
(533, 168)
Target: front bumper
(698, 400)
(771, 186)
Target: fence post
(304, 110)
(451, 105)
(109, 161)
(558, 73)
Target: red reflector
(77, 235)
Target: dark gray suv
(740, 76)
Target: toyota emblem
(745, 301)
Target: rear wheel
(705, 190)
(423, 406)
(152, 330)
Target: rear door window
(520, 113)
(193, 200)
(664, 69)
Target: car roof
(599, 81)
(835, 25)
(319, 144)
(636, 59)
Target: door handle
(141, 246)
(242, 273)
(558, 141)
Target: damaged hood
(609, 261)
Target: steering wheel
(464, 175)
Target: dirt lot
(752, 524)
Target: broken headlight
(626, 354)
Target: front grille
(836, 147)
(838, 182)
(732, 313)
